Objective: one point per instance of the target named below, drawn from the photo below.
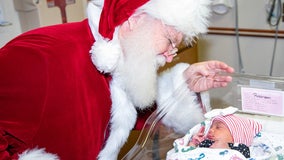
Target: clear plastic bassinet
(156, 139)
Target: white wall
(29, 14)
(256, 52)
(7, 32)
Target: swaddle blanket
(205, 153)
(265, 146)
(182, 151)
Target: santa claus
(72, 91)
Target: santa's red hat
(187, 16)
(243, 130)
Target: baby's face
(220, 133)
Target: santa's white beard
(138, 71)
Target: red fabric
(115, 12)
(4, 154)
(51, 95)
(9, 145)
(143, 116)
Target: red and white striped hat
(243, 130)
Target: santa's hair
(187, 16)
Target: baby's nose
(211, 131)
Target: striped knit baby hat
(243, 130)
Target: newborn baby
(224, 132)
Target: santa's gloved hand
(205, 75)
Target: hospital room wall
(9, 14)
(257, 39)
(24, 15)
(256, 51)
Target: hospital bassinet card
(264, 101)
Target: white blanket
(205, 153)
(267, 145)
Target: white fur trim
(188, 16)
(105, 53)
(94, 9)
(37, 154)
(179, 105)
(123, 119)
(105, 56)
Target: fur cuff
(179, 106)
(36, 154)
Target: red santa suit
(51, 93)
(53, 96)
